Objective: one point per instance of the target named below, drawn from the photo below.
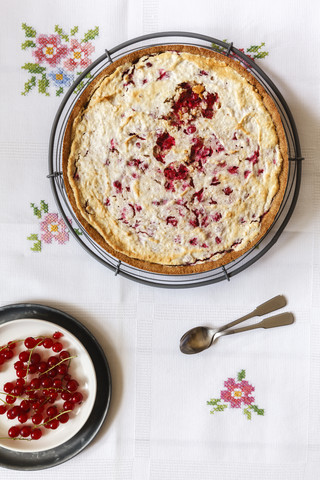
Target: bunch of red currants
(43, 394)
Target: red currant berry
(24, 356)
(37, 418)
(8, 354)
(66, 395)
(47, 342)
(42, 367)
(46, 382)
(53, 372)
(10, 399)
(57, 383)
(53, 397)
(54, 424)
(72, 385)
(77, 397)
(20, 382)
(3, 409)
(56, 347)
(14, 432)
(25, 431)
(36, 434)
(62, 369)
(67, 377)
(21, 373)
(33, 368)
(35, 358)
(12, 345)
(25, 405)
(30, 342)
(8, 387)
(68, 405)
(2, 359)
(18, 365)
(35, 383)
(52, 411)
(64, 355)
(57, 335)
(23, 417)
(64, 418)
(52, 361)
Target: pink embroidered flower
(54, 227)
(237, 393)
(79, 55)
(50, 49)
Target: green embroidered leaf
(44, 206)
(73, 31)
(33, 236)
(59, 91)
(256, 50)
(60, 32)
(29, 85)
(36, 210)
(37, 244)
(217, 47)
(215, 402)
(261, 55)
(27, 44)
(255, 408)
(241, 375)
(247, 412)
(77, 231)
(91, 35)
(82, 83)
(29, 31)
(33, 68)
(43, 84)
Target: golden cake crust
(97, 93)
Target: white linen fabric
(262, 386)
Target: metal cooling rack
(150, 278)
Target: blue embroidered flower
(61, 78)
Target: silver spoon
(200, 338)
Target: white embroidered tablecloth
(171, 416)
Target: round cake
(175, 159)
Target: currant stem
(16, 341)
(53, 418)
(59, 363)
(31, 352)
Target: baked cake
(175, 159)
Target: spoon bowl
(197, 339)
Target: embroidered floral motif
(238, 394)
(52, 227)
(58, 58)
(49, 50)
(79, 55)
(61, 78)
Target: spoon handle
(267, 307)
(270, 322)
